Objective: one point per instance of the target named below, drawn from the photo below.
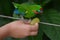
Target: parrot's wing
(29, 13)
(35, 7)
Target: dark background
(51, 14)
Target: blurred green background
(51, 14)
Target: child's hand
(18, 29)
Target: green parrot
(27, 10)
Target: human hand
(18, 29)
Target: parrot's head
(28, 10)
(33, 10)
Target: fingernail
(36, 24)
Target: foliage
(51, 14)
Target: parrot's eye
(38, 11)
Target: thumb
(36, 24)
(34, 27)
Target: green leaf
(44, 2)
(51, 16)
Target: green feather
(27, 7)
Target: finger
(33, 33)
(36, 24)
(34, 27)
(27, 21)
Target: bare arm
(18, 29)
(3, 32)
